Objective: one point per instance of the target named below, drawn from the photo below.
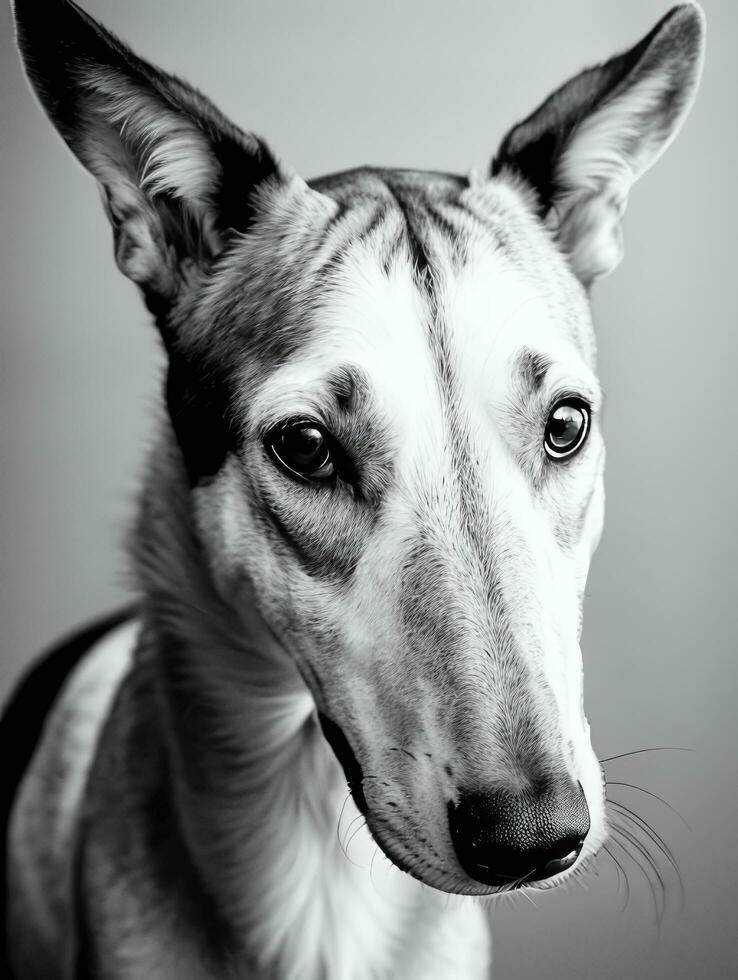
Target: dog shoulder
(49, 733)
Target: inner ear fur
(176, 175)
(583, 148)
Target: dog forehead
(411, 275)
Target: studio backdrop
(434, 85)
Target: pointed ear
(176, 175)
(584, 147)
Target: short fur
(411, 628)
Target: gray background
(434, 85)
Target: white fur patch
(616, 143)
(175, 155)
(45, 814)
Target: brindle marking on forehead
(386, 194)
(271, 279)
(347, 185)
(259, 307)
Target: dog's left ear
(584, 147)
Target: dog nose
(504, 838)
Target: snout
(503, 838)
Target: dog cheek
(228, 534)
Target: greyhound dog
(362, 544)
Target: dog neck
(263, 803)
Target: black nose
(505, 838)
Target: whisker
(358, 829)
(515, 883)
(525, 894)
(371, 869)
(351, 823)
(658, 748)
(656, 838)
(614, 782)
(338, 825)
(650, 831)
(638, 864)
(621, 874)
(650, 861)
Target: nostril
(503, 838)
(556, 865)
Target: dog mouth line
(434, 876)
(393, 842)
(347, 758)
(451, 881)
(398, 852)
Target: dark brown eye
(566, 429)
(302, 448)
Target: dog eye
(302, 449)
(566, 429)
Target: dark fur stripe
(198, 402)
(350, 237)
(22, 723)
(421, 260)
(455, 238)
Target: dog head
(382, 384)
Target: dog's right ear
(177, 177)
